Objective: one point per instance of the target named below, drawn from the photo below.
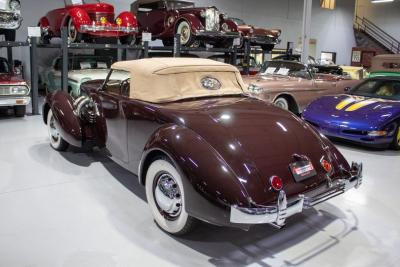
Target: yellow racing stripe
(361, 104)
(345, 103)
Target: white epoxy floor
(78, 209)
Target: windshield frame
(305, 68)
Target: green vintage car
(81, 68)
(385, 65)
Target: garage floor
(79, 209)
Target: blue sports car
(368, 114)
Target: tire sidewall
(177, 225)
(54, 144)
(179, 30)
(283, 101)
(395, 144)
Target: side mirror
(347, 89)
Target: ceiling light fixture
(381, 1)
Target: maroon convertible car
(202, 149)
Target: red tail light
(326, 165)
(276, 183)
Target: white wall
(332, 29)
(384, 15)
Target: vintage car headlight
(225, 27)
(254, 88)
(19, 90)
(15, 5)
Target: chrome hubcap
(72, 30)
(168, 196)
(54, 134)
(185, 34)
(398, 136)
(281, 104)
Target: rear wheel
(282, 103)
(19, 111)
(267, 47)
(56, 141)
(396, 139)
(73, 34)
(165, 196)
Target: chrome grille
(97, 16)
(212, 20)
(6, 17)
(5, 90)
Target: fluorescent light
(381, 1)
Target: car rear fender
(210, 185)
(69, 125)
(199, 162)
(128, 18)
(194, 22)
(79, 16)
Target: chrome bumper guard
(107, 28)
(277, 215)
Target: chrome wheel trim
(398, 136)
(168, 196)
(184, 31)
(54, 134)
(72, 33)
(282, 103)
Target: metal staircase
(377, 34)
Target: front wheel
(396, 139)
(184, 30)
(9, 35)
(56, 141)
(127, 39)
(282, 103)
(73, 34)
(19, 111)
(165, 196)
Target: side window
(149, 7)
(118, 83)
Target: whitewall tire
(56, 141)
(282, 103)
(165, 196)
(186, 33)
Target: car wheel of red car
(282, 103)
(73, 34)
(165, 196)
(19, 111)
(127, 40)
(396, 139)
(186, 33)
(56, 141)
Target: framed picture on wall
(328, 57)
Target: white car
(81, 68)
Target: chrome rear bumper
(277, 215)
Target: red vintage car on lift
(88, 19)
(266, 38)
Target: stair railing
(389, 42)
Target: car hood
(92, 8)
(9, 78)
(89, 74)
(257, 141)
(353, 112)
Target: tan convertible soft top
(161, 80)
